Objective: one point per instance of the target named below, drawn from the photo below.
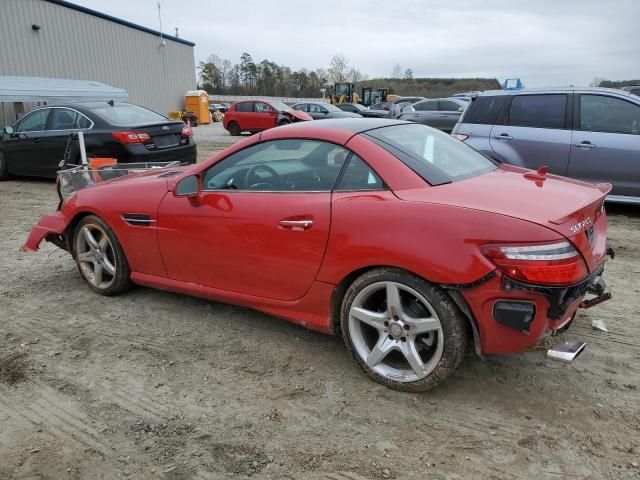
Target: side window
(244, 107)
(315, 108)
(82, 122)
(484, 110)
(279, 166)
(34, 122)
(449, 106)
(261, 107)
(539, 111)
(63, 119)
(599, 113)
(301, 107)
(359, 176)
(428, 106)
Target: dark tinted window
(244, 107)
(279, 166)
(484, 110)
(347, 108)
(427, 106)
(599, 113)
(128, 115)
(359, 176)
(63, 119)
(540, 111)
(449, 106)
(34, 121)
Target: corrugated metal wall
(73, 44)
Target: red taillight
(460, 136)
(550, 264)
(131, 137)
(186, 131)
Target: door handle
(442, 115)
(504, 136)
(585, 144)
(296, 224)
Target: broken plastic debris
(599, 325)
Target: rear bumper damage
(511, 316)
(51, 227)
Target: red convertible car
(405, 241)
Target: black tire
(112, 253)
(455, 335)
(234, 129)
(4, 169)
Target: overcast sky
(544, 42)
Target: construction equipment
(344, 93)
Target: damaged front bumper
(51, 227)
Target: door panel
(61, 124)
(605, 144)
(254, 243)
(532, 147)
(24, 150)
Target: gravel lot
(157, 385)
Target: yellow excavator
(344, 93)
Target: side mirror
(8, 130)
(460, 109)
(187, 186)
(324, 111)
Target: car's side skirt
(311, 311)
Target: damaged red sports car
(405, 241)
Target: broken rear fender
(54, 223)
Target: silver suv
(592, 134)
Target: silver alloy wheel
(96, 256)
(396, 331)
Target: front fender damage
(51, 228)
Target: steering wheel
(275, 179)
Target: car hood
(298, 114)
(566, 206)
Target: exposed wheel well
(456, 298)
(67, 235)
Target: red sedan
(405, 241)
(258, 115)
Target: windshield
(434, 155)
(281, 107)
(358, 106)
(128, 115)
(331, 108)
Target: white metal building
(59, 39)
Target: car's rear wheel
(403, 331)
(4, 170)
(234, 129)
(100, 258)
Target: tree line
(267, 78)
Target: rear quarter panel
(479, 137)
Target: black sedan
(320, 110)
(362, 110)
(36, 143)
(440, 113)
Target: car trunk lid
(163, 135)
(566, 206)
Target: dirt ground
(158, 385)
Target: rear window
(244, 107)
(128, 115)
(434, 155)
(484, 110)
(538, 111)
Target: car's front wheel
(404, 332)
(100, 258)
